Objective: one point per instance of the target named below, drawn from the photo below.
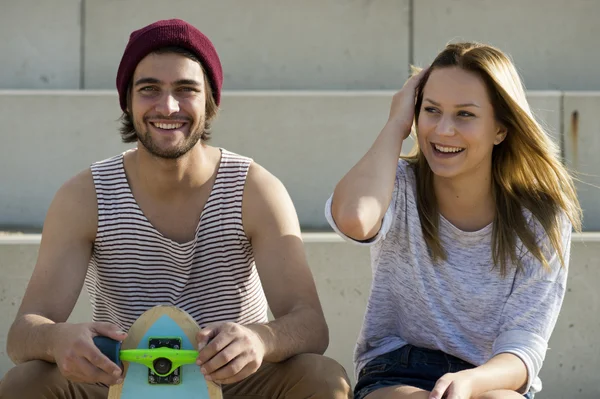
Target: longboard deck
(163, 321)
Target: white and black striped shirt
(134, 267)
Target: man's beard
(172, 153)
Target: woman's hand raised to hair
(402, 110)
(363, 195)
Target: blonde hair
(526, 168)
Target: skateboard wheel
(109, 348)
(162, 365)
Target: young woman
(470, 235)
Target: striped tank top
(134, 267)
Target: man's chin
(166, 153)
(172, 151)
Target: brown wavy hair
(527, 171)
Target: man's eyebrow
(180, 82)
(190, 82)
(142, 81)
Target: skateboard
(158, 358)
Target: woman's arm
(362, 197)
(528, 319)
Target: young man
(178, 222)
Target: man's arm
(271, 224)
(58, 276)
(40, 330)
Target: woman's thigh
(411, 372)
(399, 392)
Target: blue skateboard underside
(192, 383)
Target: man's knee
(33, 379)
(324, 374)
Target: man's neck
(169, 179)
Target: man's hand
(229, 352)
(453, 386)
(78, 358)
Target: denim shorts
(409, 365)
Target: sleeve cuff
(529, 347)
(385, 226)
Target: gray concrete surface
(581, 145)
(69, 131)
(41, 44)
(546, 107)
(331, 44)
(307, 139)
(343, 278)
(553, 43)
(270, 44)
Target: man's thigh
(302, 376)
(37, 379)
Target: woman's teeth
(447, 149)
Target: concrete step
(313, 44)
(343, 277)
(307, 139)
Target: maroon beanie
(172, 32)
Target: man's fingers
(221, 359)
(206, 334)
(216, 345)
(235, 371)
(109, 330)
(81, 370)
(106, 379)
(100, 361)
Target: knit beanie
(164, 33)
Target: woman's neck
(466, 201)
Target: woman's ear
(500, 134)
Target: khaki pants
(300, 377)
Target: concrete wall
(41, 45)
(308, 139)
(313, 44)
(581, 145)
(274, 44)
(343, 278)
(39, 153)
(553, 43)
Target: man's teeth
(448, 149)
(168, 126)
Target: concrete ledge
(308, 238)
(308, 139)
(343, 277)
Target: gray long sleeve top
(460, 306)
